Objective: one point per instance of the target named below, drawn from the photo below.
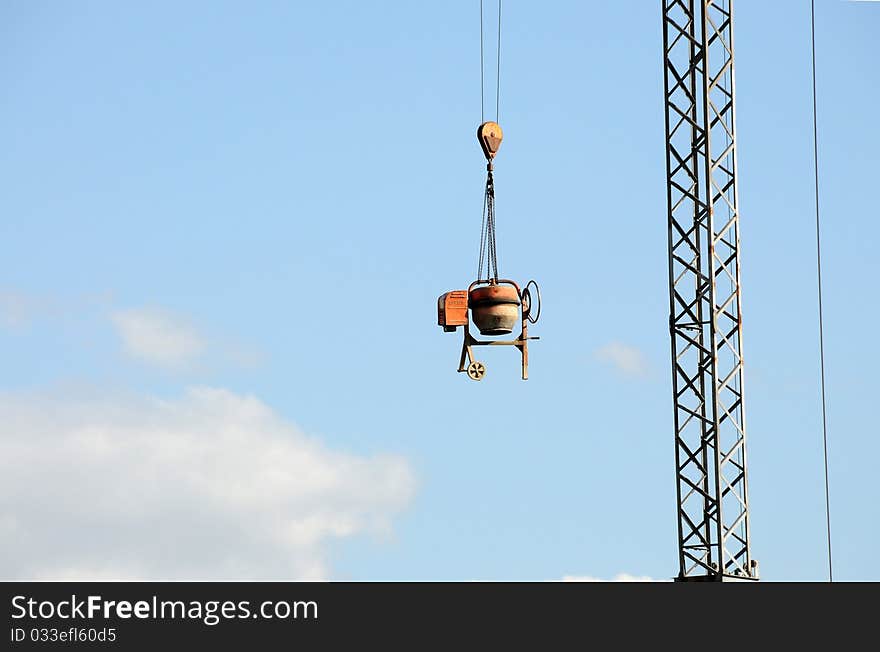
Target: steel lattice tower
(704, 292)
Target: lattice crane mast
(704, 292)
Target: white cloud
(620, 577)
(17, 309)
(212, 485)
(626, 360)
(158, 337)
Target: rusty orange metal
(494, 308)
(452, 310)
(490, 135)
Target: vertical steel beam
(704, 292)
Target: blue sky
(235, 218)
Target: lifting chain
(488, 249)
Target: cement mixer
(494, 305)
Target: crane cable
(497, 69)
(488, 249)
(819, 278)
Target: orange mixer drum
(494, 308)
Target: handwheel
(476, 370)
(531, 302)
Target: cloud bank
(157, 337)
(620, 577)
(626, 360)
(211, 485)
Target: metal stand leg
(466, 353)
(523, 347)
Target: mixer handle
(531, 296)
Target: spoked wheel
(531, 302)
(476, 370)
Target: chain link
(488, 249)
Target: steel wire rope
(488, 248)
(482, 67)
(819, 287)
(498, 68)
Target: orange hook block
(489, 134)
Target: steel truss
(704, 292)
